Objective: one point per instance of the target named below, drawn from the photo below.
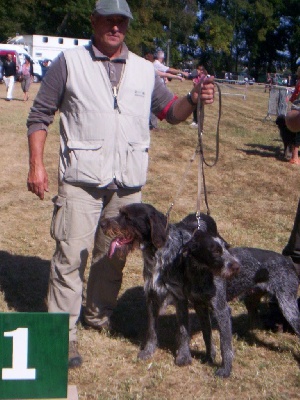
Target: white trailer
(42, 47)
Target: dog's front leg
(151, 338)
(223, 316)
(183, 355)
(204, 317)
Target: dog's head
(207, 251)
(137, 224)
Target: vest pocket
(85, 162)
(134, 172)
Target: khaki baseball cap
(113, 7)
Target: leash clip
(198, 217)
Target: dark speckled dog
(166, 282)
(266, 272)
(287, 137)
(261, 272)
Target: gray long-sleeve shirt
(52, 89)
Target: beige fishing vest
(100, 143)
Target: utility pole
(169, 41)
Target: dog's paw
(223, 372)
(146, 353)
(183, 359)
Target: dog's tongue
(117, 243)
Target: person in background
(27, 77)
(164, 75)
(163, 70)
(201, 73)
(44, 67)
(292, 248)
(9, 73)
(269, 82)
(103, 163)
(159, 66)
(294, 99)
(1, 70)
(153, 122)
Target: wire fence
(233, 87)
(278, 101)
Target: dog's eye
(218, 251)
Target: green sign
(33, 355)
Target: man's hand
(206, 89)
(37, 181)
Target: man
(104, 94)
(159, 66)
(9, 73)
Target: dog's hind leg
(289, 308)
(252, 301)
(183, 355)
(204, 317)
(151, 338)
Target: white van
(19, 54)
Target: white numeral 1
(19, 368)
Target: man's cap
(112, 7)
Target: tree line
(224, 35)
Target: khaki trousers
(76, 216)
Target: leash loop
(201, 160)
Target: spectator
(1, 70)
(163, 71)
(103, 157)
(295, 98)
(161, 67)
(44, 67)
(9, 72)
(26, 77)
(153, 122)
(292, 248)
(269, 82)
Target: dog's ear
(158, 224)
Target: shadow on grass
(24, 282)
(262, 150)
(130, 320)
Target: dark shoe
(75, 359)
(99, 325)
(103, 326)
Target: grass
(253, 197)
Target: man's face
(109, 32)
(9, 57)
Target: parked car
(280, 80)
(245, 78)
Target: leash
(201, 160)
(200, 152)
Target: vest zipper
(115, 91)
